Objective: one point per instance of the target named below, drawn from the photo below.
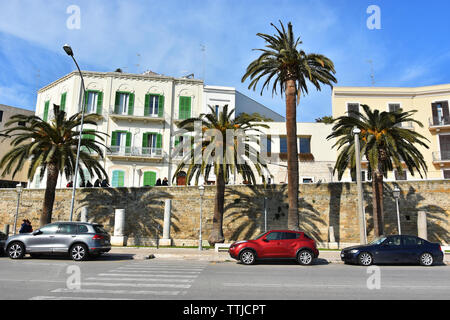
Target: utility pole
(361, 215)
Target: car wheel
(365, 259)
(16, 250)
(305, 257)
(79, 252)
(248, 257)
(426, 259)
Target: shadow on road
(105, 257)
(317, 262)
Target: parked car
(3, 238)
(78, 239)
(394, 249)
(276, 244)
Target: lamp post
(69, 52)
(362, 219)
(265, 214)
(19, 190)
(201, 189)
(396, 194)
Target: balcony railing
(138, 112)
(441, 156)
(439, 121)
(135, 152)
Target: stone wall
(321, 206)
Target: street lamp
(396, 194)
(362, 219)
(19, 190)
(201, 189)
(69, 52)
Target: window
(412, 241)
(121, 142)
(307, 180)
(118, 179)
(217, 111)
(154, 105)
(393, 241)
(124, 103)
(1, 115)
(365, 176)
(400, 175)
(149, 178)
(290, 235)
(67, 228)
(49, 229)
(83, 229)
(46, 106)
(151, 142)
(353, 110)
(62, 104)
(446, 174)
(92, 100)
(283, 144)
(305, 145)
(444, 144)
(394, 107)
(440, 113)
(184, 111)
(275, 236)
(99, 229)
(269, 144)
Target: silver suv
(78, 239)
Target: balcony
(135, 153)
(441, 158)
(138, 115)
(439, 123)
(407, 125)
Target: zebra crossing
(137, 280)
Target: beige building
(432, 105)
(6, 112)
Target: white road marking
(141, 279)
(156, 293)
(158, 269)
(147, 275)
(154, 271)
(306, 285)
(74, 298)
(135, 285)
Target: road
(120, 277)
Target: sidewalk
(141, 253)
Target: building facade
(6, 112)
(432, 105)
(140, 114)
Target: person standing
(165, 182)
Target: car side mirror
(265, 240)
(37, 232)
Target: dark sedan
(394, 249)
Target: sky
(410, 49)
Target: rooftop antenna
(372, 77)
(203, 49)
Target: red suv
(276, 244)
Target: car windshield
(378, 240)
(259, 236)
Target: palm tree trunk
(49, 197)
(377, 191)
(216, 235)
(291, 131)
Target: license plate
(342, 255)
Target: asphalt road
(119, 277)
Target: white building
(139, 112)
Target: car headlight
(354, 251)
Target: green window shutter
(188, 107)
(47, 104)
(177, 141)
(63, 101)
(145, 140)
(181, 109)
(116, 104)
(149, 178)
(115, 179)
(128, 143)
(121, 178)
(130, 104)
(159, 141)
(161, 106)
(86, 97)
(114, 138)
(147, 105)
(99, 102)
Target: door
(289, 244)
(64, 237)
(272, 245)
(42, 239)
(390, 251)
(444, 143)
(411, 249)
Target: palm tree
(52, 147)
(290, 68)
(384, 143)
(221, 156)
